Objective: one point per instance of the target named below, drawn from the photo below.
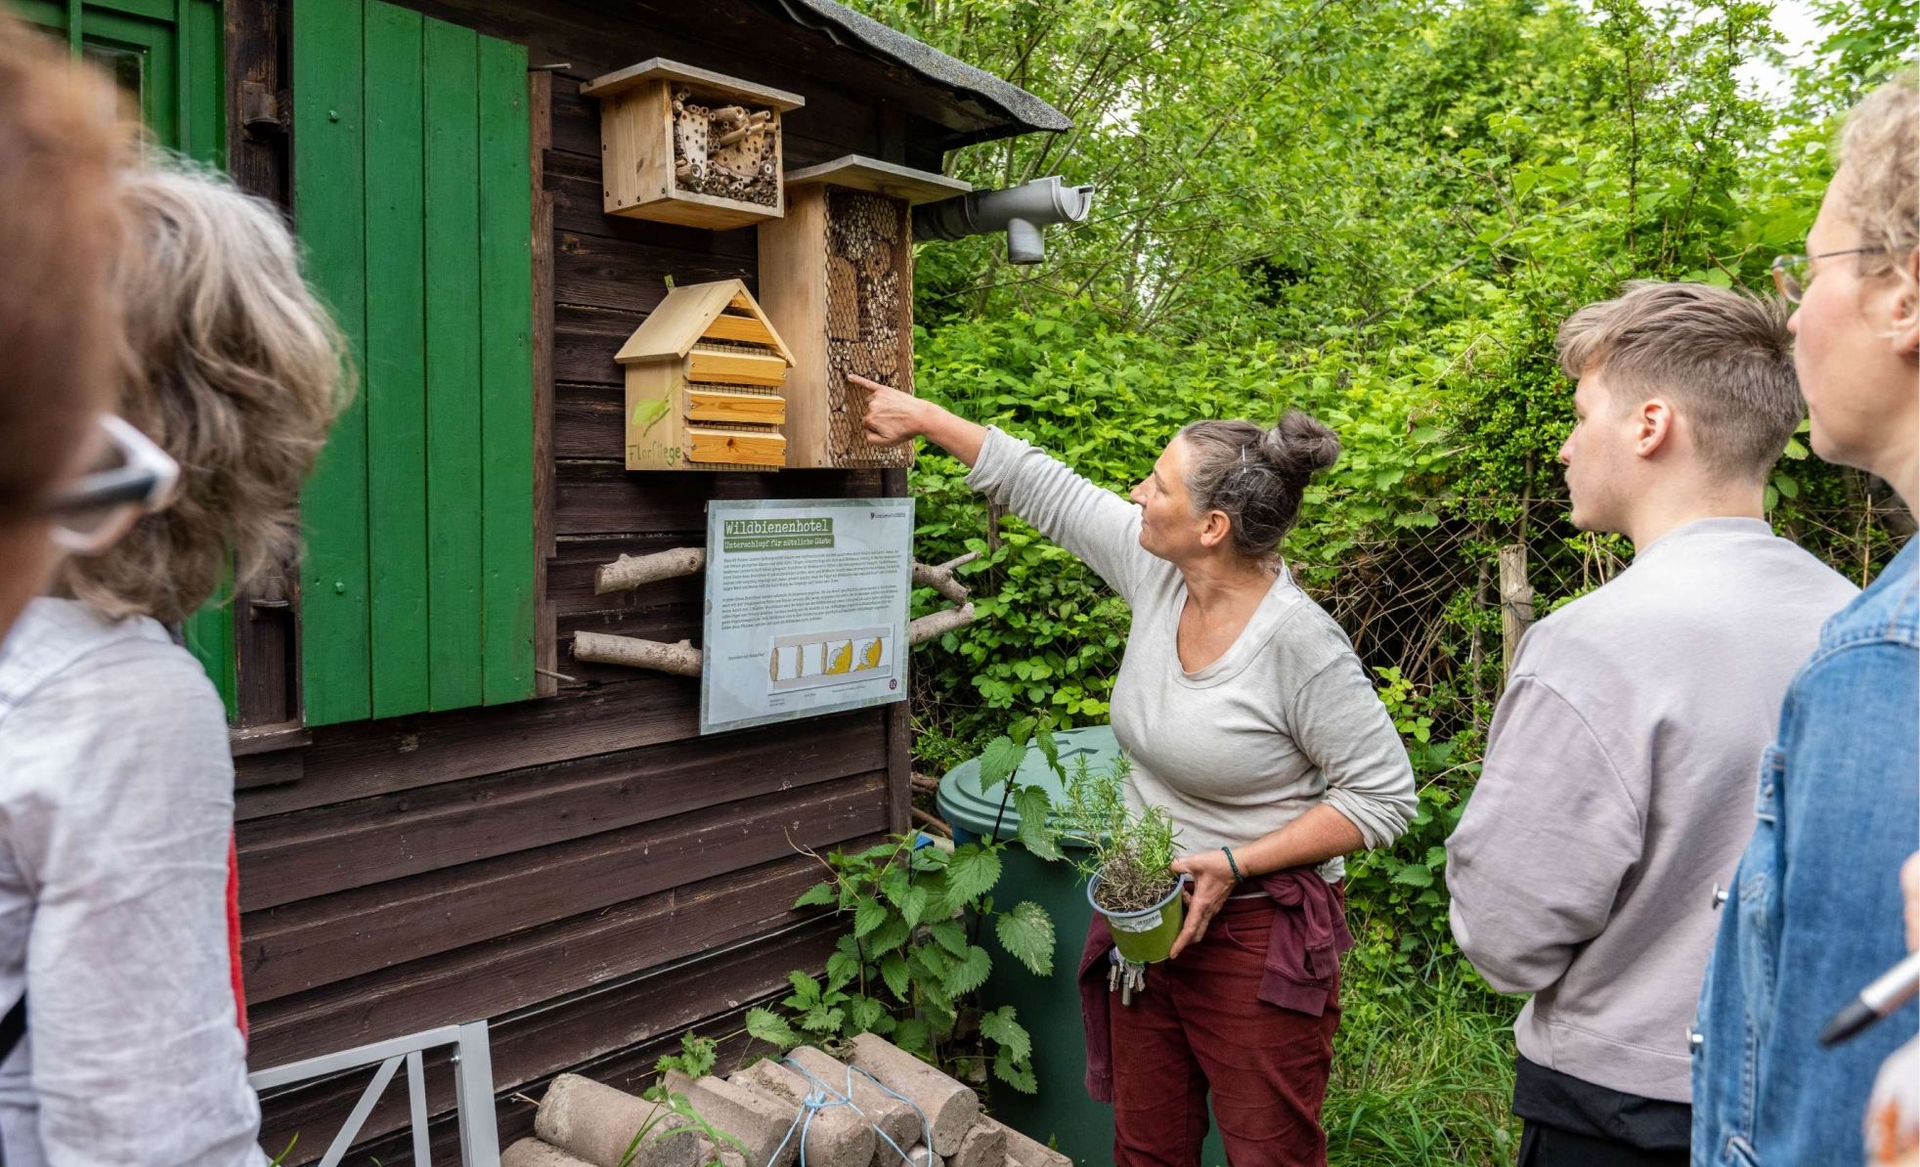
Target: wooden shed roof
(977, 106)
(687, 314)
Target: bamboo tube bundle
(686, 145)
(866, 256)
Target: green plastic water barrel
(1060, 1112)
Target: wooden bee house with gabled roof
(704, 375)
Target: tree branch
(682, 659)
(632, 571)
(941, 578)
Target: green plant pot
(1145, 936)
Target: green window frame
(170, 48)
(412, 194)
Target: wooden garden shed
(442, 817)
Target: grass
(1422, 1072)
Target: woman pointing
(1248, 718)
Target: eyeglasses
(135, 478)
(1792, 273)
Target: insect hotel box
(688, 146)
(836, 278)
(704, 373)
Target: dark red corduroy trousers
(1200, 1029)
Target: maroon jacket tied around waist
(1303, 956)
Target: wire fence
(1445, 604)
(1440, 595)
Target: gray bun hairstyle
(1256, 477)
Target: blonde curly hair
(1880, 149)
(238, 373)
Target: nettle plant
(912, 965)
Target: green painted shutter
(412, 196)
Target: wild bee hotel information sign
(806, 610)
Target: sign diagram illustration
(808, 661)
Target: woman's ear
(1215, 529)
(1905, 322)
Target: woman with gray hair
(1248, 718)
(116, 793)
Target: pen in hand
(1891, 990)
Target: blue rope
(824, 1097)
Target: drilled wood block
(749, 329)
(734, 368)
(735, 447)
(735, 408)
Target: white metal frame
(473, 1089)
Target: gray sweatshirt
(1618, 790)
(1284, 720)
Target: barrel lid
(962, 804)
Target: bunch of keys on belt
(1126, 976)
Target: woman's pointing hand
(892, 416)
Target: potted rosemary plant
(1128, 852)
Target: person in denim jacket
(1814, 913)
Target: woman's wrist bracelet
(1231, 865)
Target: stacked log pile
(881, 1107)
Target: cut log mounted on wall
(632, 571)
(937, 624)
(941, 578)
(682, 659)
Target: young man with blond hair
(1617, 789)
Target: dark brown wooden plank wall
(623, 1025)
(583, 869)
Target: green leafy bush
(1396, 896)
(909, 965)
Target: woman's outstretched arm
(1093, 523)
(894, 417)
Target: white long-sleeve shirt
(1284, 720)
(116, 812)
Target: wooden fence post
(1516, 604)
